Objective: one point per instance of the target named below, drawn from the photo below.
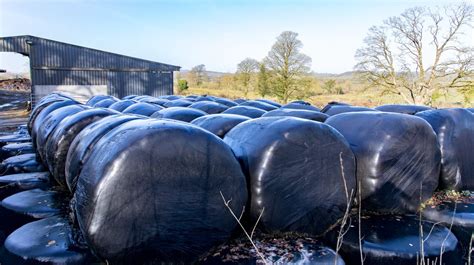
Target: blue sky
(218, 34)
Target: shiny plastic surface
(21, 164)
(219, 124)
(455, 131)
(84, 142)
(397, 156)
(179, 113)
(258, 104)
(248, 111)
(57, 146)
(298, 113)
(290, 164)
(337, 109)
(405, 109)
(302, 106)
(121, 105)
(209, 107)
(177, 103)
(10, 184)
(142, 108)
(151, 191)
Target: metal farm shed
(82, 72)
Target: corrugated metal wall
(57, 63)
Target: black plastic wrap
(395, 153)
(36, 203)
(170, 97)
(14, 149)
(269, 102)
(95, 99)
(178, 103)
(157, 101)
(258, 104)
(471, 109)
(85, 141)
(458, 216)
(455, 131)
(298, 113)
(142, 108)
(58, 143)
(130, 97)
(50, 123)
(151, 191)
(405, 109)
(333, 103)
(39, 121)
(395, 240)
(43, 103)
(240, 100)
(204, 98)
(248, 111)
(121, 105)
(229, 103)
(337, 109)
(219, 124)
(290, 164)
(47, 241)
(10, 184)
(14, 139)
(105, 103)
(179, 113)
(209, 107)
(21, 164)
(302, 106)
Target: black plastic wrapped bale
(36, 203)
(95, 99)
(151, 191)
(10, 184)
(43, 103)
(171, 97)
(229, 103)
(395, 240)
(142, 108)
(209, 107)
(130, 97)
(298, 113)
(14, 138)
(269, 102)
(24, 207)
(39, 120)
(219, 124)
(302, 106)
(397, 156)
(240, 100)
(455, 130)
(152, 100)
(121, 105)
(49, 125)
(337, 109)
(105, 103)
(258, 104)
(85, 141)
(204, 98)
(290, 163)
(333, 103)
(405, 109)
(58, 143)
(248, 111)
(14, 149)
(471, 109)
(275, 249)
(47, 241)
(178, 103)
(458, 216)
(26, 163)
(179, 113)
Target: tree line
(419, 56)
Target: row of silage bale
(269, 151)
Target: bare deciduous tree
(287, 64)
(198, 74)
(419, 53)
(245, 70)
